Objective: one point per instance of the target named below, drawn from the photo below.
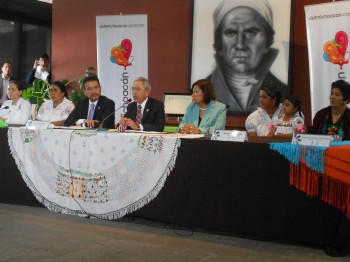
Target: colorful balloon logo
(335, 50)
(120, 54)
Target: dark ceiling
(28, 11)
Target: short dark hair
(344, 88)
(270, 32)
(273, 92)
(7, 62)
(61, 86)
(90, 78)
(207, 88)
(45, 56)
(19, 84)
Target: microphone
(6, 107)
(101, 125)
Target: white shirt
(47, 112)
(16, 114)
(259, 120)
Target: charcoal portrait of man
(243, 52)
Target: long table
(234, 188)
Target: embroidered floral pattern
(27, 135)
(151, 143)
(87, 187)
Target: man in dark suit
(145, 113)
(92, 110)
(5, 80)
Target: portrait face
(336, 98)
(243, 40)
(139, 92)
(13, 92)
(265, 101)
(197, 95)
(288, 108)
(7, 69)
(92, 90)
(56, 94)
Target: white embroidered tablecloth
(85, 172)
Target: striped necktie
(139, 115)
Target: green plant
(77, 95)
(37, 93)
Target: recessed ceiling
(46, 1)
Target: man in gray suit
(5, 80)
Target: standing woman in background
(334, 120)
(260, 121)
(16, 110)
(204, 112)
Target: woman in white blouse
(16, 110)
(259, 122)
(58, 108)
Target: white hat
(263, 7)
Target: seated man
(145, 113)
(5, 81)
(94, 109)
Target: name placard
(229, 135)
(38, 124)
(311, 140)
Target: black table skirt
(233, 188)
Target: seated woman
(204, 112)
(58, 108)
(16, 110)
(259, 122)
(335, 119)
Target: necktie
(139, 115)
(91, 112)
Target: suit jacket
(214, 116)
(104, 107)
(153, 117)
(3, 89)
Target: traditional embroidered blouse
(16, 114)
(259, 120)
(287, 126)
(48, 112)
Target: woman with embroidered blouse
(16, 110)
(259, 122)
(57, 109)
(334, 120)
(204, 112)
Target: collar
(143, 104)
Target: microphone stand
(100, 128)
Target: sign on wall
(122, 55)
(328, 31)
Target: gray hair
(146, 83)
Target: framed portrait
(242, 45)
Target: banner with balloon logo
(122, 55)
(328, 29)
